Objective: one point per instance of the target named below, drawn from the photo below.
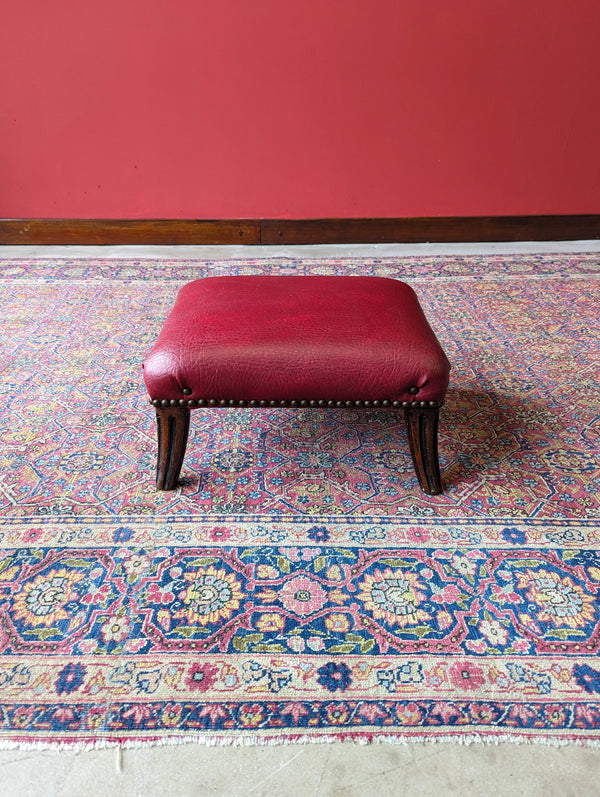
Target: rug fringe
(250, 741)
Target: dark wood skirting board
(455, 229)
(436, 229)
(100, 232)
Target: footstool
(296, 341)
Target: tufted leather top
(295, 337)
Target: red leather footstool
(286, 341)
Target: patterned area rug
(299, 585)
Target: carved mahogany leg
(172, 425)
(422, 426)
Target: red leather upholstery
(293, 338)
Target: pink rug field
(298, 584)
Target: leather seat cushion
(296, 337)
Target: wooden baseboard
(104, 232)
(432, 230)
(87, 232)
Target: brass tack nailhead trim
(293, 403)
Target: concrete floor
(332, 770)
(326, 770)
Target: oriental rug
(298, 585)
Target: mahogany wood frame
(451, 229)
(173, 423)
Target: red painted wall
(299, 108)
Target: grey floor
(336, 770)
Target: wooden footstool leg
(422, 427)
(173, 424)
